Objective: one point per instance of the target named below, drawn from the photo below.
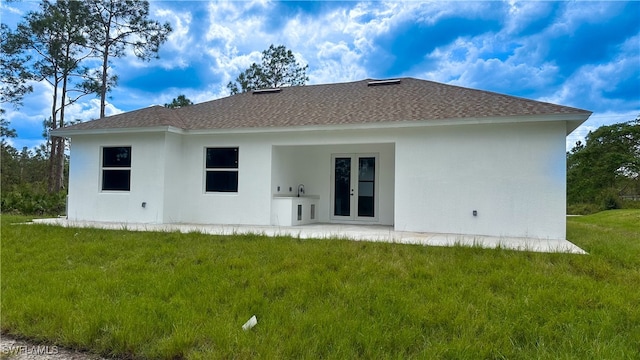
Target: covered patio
(373, 233)
(350, 183)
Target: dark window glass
(342, 186)
(116, 180)
(366, 186)
(222, 158)
(222, 181)
(116, 156)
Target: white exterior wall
(175, 169)
(513, 175)
(431, 178)
(251, 205)
(86, 199)
(270, 160)
(168, 172)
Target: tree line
(605, 170)
(24, 182)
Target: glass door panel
(366, 186)
(342, 187)
(354, 191)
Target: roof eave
(107, 131)
(576, 121)
(572, 121)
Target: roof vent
(383, 82)
(267, 91)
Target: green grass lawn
(172, 295)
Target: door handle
(351, 192)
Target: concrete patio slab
(373, 233)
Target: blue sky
(581, 54)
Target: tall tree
(180, 101)
(6, 131)
(610, 159)
(278, 68)
(13, 78)
(13, 73)
(118, 25)
(55, 38)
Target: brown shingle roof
(147, 117)
(336, 104)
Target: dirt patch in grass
(12, 348)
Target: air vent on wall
(267, 91)
(383, 82)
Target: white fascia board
(569, 118)
(71, 133)
(572, 121)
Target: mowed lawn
(170, 295)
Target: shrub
(631, 204)
(582, 209)
(33, 199)
(609, 199)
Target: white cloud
(470, 62)
(575, 14)
(232, 23)
(590, 83)
(336, 62)
(220, 32)
(180, 42)
(227, 64)
(522, 13)
(5, 7)
(176, 52)
(335, 43)
(364, 23)
(233, 40)
(331, 43)
(89, 110)
(36, 107)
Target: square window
(116, 168)
(221, 169)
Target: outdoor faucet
(300, 190)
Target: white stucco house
(413, 154)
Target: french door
(354, 187)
